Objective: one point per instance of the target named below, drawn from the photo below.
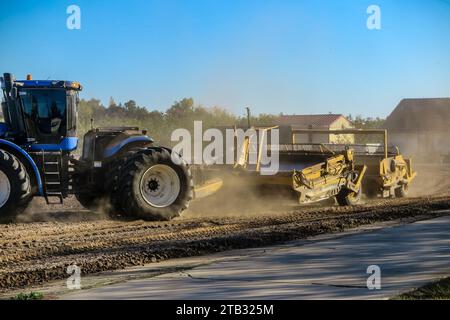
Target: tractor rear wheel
(15, 187)
(111, 184)
(106, 199)
(90, 202)
(153, 187)
(86, 198)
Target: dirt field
(46, 239)
(44, 242)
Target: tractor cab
(41, 113)
(40, 127)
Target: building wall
(424, 147)
(312, 138)
(285, 134)
(340, 124)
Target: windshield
(44, 111)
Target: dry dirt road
(41, 245)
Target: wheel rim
(160, 186)
(5, 188)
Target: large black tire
(348, 198)
(112, 183)
(138, 196)
(105, 200)
(86, 198)
(90, 202)
(93, 200)
(15, 187)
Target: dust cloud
(431, 179)
(239, 197)
(70, 211)
(430, 155)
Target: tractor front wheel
(15, 186)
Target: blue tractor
(121, 170)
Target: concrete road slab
(409, 256)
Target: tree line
(160, 125)
(181, 114)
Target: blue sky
(300, 56)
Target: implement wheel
(402, 191)
(348, 198)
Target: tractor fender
(175, 155)
(27, 161)
(111, 151)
